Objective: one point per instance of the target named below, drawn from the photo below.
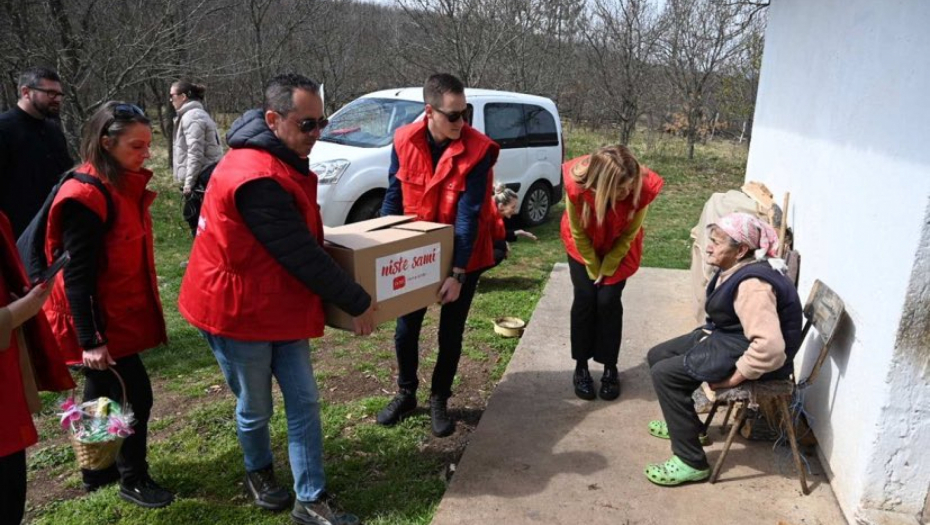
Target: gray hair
(34, 75)
(279, 92)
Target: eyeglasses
(172, 95)
(50, 92)
(453, 116)
(307, 125)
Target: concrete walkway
(541, 455)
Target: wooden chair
(823, 310)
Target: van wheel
(368, 207)
(536, 204)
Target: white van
(353, 154)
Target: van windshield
(370, 122)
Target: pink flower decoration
(119, 427)
(71, 413)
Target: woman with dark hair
(607, 194)
(29, 362)
(107, 308)
(196, 141)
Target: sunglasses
(50, 92)
(452, 116)
(307, 125)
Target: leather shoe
(610, 385)
(265, 490)
(403, 404)
(439, 416)
(584, 384)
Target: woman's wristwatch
(459, 277)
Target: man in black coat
(33, 150)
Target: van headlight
(329, 171)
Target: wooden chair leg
(726, 418)
(710, 416)
(740, 416)
(786, 414)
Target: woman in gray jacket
(196, 141)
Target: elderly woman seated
(753, 331)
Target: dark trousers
(452, 318)
(597, 317)
(12, 488)
(674, 387)
(131, 462)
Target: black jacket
(33, 156)
(272, 216)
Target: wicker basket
(100, 455)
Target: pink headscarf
(752, 232)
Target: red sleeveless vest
(434, 196)
(615, 222)
(127, 285)
(17, 431)
(233, 287)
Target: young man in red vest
(441, 171)
(255, 287)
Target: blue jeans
(248, 367)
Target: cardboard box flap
(367, 239)
(422, 226)
(367, 226)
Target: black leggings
(131, 462)
(597, 317)
(12, 488)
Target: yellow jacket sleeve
(582, 242)
(622, 245)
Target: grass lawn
(386, 476)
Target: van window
(541, 129)
(370, 122)
(504, 124)
(520, 125)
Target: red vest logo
(399, 282)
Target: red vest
(17, 431)
(434, 195)
(233, 287)
(616, 221)
(127, 285)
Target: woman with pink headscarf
(753, 331)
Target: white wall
(842, 121)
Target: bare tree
(461, 36)
(623, 40)
(703, 36)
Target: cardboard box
(399, 261)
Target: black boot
(439, 415)
(403, 404)
(265, 490)
(584, 384)
(610, 384)
(146, 493)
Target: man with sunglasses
(33, 149)
(441, 171)
(255, 286)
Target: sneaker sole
(145, 504)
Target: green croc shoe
(674, 472)
(660, 430)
